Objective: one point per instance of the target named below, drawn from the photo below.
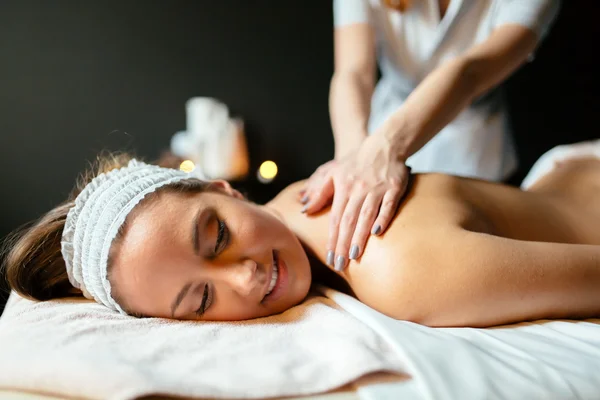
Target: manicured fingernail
(339, 263)
(304, 200)
(330, 255)
(354, 252)
(376, 230)
(304, 209)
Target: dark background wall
(77, 77)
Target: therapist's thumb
(320, 196)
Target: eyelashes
(222, 237)
(204, 305)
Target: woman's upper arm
(475, 279)
(354, 39)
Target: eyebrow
(179, 298)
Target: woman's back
(563, 207)
(438, 209)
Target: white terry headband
(92, 224)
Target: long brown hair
(33, 264)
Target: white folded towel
(78, 348)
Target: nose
(243, 277)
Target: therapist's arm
(451, 87)
(351, 85)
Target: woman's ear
(225, 187)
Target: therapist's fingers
(310, 185)
(340, 199)
(308, 193)
(367, 216)
(315, 182)
(301, 193)
(319, 196)
(387, 211)
(346, 227)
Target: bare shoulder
(289, 195)
(432, 200)
(387, 275)
(391, 266)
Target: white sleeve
(536, 15)
(346, 12)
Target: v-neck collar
(445, 23)
(438, 12)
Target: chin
(298, 289)
(288, 304)
(303, 279)
(304, 283)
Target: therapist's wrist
(349, 145)
(397, 134)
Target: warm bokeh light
(267, 171)
(187, 166)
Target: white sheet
(536, 360)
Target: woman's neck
(279, 207)
(322, 274)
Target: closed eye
(206, 301)
(222, 237)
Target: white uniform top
(410, 45)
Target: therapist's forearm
(349, 108)
(440, 97)
(451, 87)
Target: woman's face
(210, 256)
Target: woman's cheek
(257, 227)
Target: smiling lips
(274, 274)
(277, 279)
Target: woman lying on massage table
(149, 241)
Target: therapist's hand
(366, 187)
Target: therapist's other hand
(366, 187)
(314, 184)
